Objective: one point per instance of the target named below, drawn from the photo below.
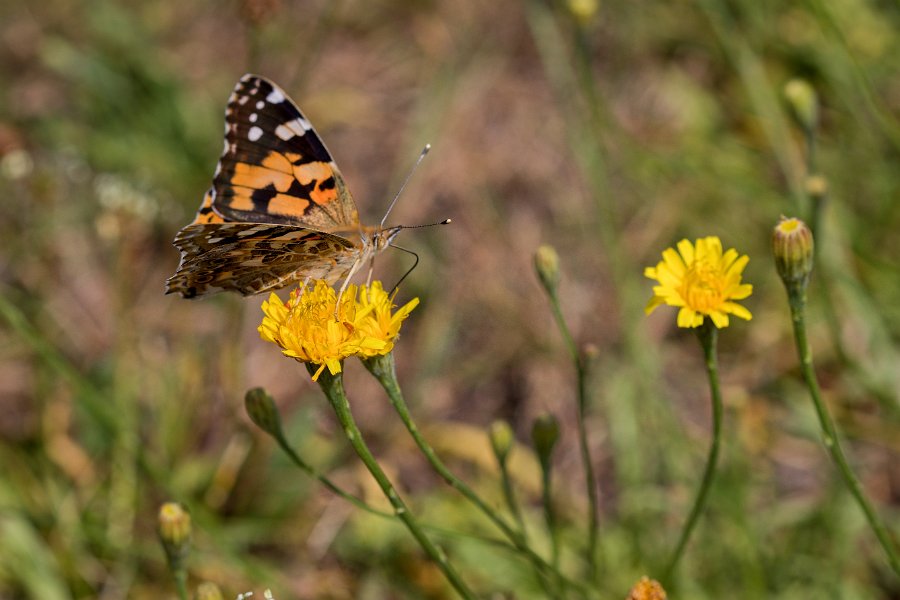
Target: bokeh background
(608, 129)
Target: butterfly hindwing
(274, 168)
(251, 258)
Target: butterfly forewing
(274, 168)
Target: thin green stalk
(333, 387)
(327, 482)
(708, 334)
(383, 369)
(589, 476)
(797, 301)
(263, 411)
(180, 577)
(550, 515)
(511, 501)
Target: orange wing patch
(205, 213)
(321, 175)
(278, 210)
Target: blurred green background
(609, 129)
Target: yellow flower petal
(308, 328)
(702, 280)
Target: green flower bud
(546, 263)
(544, 435)
(263, 412)
(792, 244)
(501, 435)
(804, 103)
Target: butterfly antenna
(410, 270)
(405, 181)
(444, 222)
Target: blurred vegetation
(608, 129)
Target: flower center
(702, 287)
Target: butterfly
(278, 210)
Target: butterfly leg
(346, 282)
(371, 270)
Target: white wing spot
(295, 127)
(254, 117)
(275, 96)
(284, 132)
(254, 134)
(225, 147)
(242, 100)
(260, 105)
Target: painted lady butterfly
(278, 210)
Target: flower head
(701, 280)
(310, 329)
(647, 589)
(792, 245)
(379, 322)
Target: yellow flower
(308, 329)
(701, 280)
(647, 589)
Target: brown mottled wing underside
(251, 258)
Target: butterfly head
(382, 238)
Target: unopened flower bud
(208, 591)
(501, 435)
(804, 103)
(546, 263)
(262, 411)
(174, 527)
(583, 10)
(544, 435)
(816, 186)
(792, 244)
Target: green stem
(333, 387)
(263, 411)
(797, 301)
(327, 482)
(510, 496)
(589, 476)
(180, 576)
(708, 334)
(549, 514)
(382, 368)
